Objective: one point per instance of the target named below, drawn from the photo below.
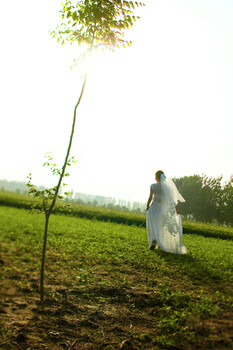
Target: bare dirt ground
(95, 316)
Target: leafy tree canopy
(207, 199)
(97, 23)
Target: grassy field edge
(111, 215)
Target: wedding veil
(170, 196)
(169, 191)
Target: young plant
(47, 202)
(92, 24)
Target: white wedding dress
(163, 223)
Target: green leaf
(97, 23)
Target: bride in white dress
(163, 222)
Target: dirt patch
(99, 314)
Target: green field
(104, 289)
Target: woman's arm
(150, 198)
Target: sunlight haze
(164, 103)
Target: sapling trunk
(50, 209)
(43, 257)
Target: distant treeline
(81, 198)
(15, 186)
(107, 202)
(207, 199)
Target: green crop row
(111, 215)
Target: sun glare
(103, 65)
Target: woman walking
(163, 222)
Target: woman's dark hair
(159, 173)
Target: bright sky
(165, 103)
